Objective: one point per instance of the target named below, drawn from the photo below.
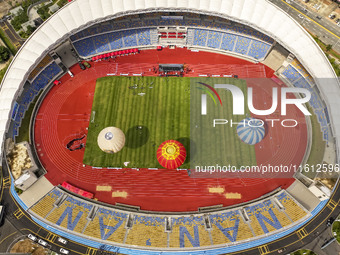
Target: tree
(4, 54)
(329, 47)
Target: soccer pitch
(161, 107)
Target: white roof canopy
(260, 14)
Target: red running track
(65, 114)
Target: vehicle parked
(86, 64)
(42, 242)
(63, 251)
(82, 67)
(281, 250)
(32, 237)
(329, 222)
(61, 240)
(332, 16)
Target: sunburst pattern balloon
(171, 154)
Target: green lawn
(164, 112)
(8, 42)
(218, 145)
(24, 128)
(318, 145)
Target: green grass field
(218, 145)
(318, 145)
(164, 113)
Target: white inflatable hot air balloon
(111, 140)
(252, 132)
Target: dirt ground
(26, 246)
(6, 5)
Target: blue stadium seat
(120, 25)
(101, 43)
(85, 47)
(77, 36)
(228, 42)
(115, 40)
(39, 82)
(51, 71)
(15, 110)
(151, 22)
(91, 31)
(15, 129)
(258, 50)
(200, 37)
(242, 45)
(136, 23)
(27, 97)
(20, 113)
(214, 39)
(104, 28)
(302, 83)
(291, 74)
(129, 38)
(143, 36)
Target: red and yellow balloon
(171, 154)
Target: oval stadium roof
(260, 14)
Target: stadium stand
(262, 218)
(153, 225)
(71, 214)
(40, 82)
(30, 92)
(85, 47)
(214, 39)
(200, 38)
(47, 203)
(104, 27)
(299, 77)
(115, 40)
(27, 97)
(20, 114)
(149, 230)
(129, 38)
(242, 45)
(143, 37)
(229, 227)
(118, 25)
(42, 64)
(107, 225)
(291, 74)
(228, 42)
(15, 129)
(155, 19)
(134, 32)
(15, 110)
(258, 50)
(101, 43)
(51, 71)
(189, 231)
(293, 210)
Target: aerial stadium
(104, 129)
